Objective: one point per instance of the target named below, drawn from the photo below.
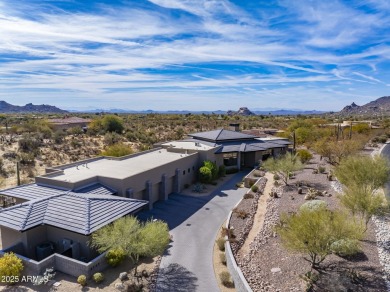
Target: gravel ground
(270, 267)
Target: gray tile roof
(78, 212)
(31, 192)
(221, 135)
(97, 189)
(251, 146)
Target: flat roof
(190, 145)
(116, 168)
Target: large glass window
(230, 159)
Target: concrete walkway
(194, 222)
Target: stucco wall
(9, 237)
(56, 235)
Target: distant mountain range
(378, 107)
(6, 107)
(217, 112)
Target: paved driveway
(194, 222)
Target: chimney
(234, 127)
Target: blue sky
(194, 54)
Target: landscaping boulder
(123, 276)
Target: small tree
(112, 123)
(304, 155)
(10, 268)
(283, 166)
(136, 239)
(314, 232)
(363, 172)
(364, 203)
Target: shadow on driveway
(176, 278)
(179, 208)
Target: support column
(129, 193)
(176, 183)
(239, 161)
(148, 194)
(163, 188)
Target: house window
(230, 159)
(184, 172)
(193, 168)
(189, 170)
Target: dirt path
(259, 216)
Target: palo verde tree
(363, 177)
(315, 232)
(134, 238)
(283, 165)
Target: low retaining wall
(240, 282)
(60, 263)
(238, 277)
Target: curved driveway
(193, 222)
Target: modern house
(51, 221)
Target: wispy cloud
(201, 49)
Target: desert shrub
(222, 258)
(111, 138)
(231, 170)
(241, 213)
(10, 268)
(254, 188)
(321, 169)
(304, 155)
(26, 158)
(117, 150)
(98, 277)
(205, 174)
(59, 136)
(276, 176)
(248, 196)
(221, 244)
(29, 143)
(198, 188)
(345, 247)
(221, 170)
(115, 256)
(313, 205)
(82, 280)
(75, 131)
(225, 279)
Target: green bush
(276, 176)
(205, 174)
(82, 280)
(321, 169)
(304, 155)
(115, 256)
(254, 188)
(213, 168)
(221, 244)
(98, 277)
(345, 247)
(225, 279)
(222, 258)
(10, 268)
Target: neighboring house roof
(71, 120)
(97, 189)
(78, 212)
(221, 135)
